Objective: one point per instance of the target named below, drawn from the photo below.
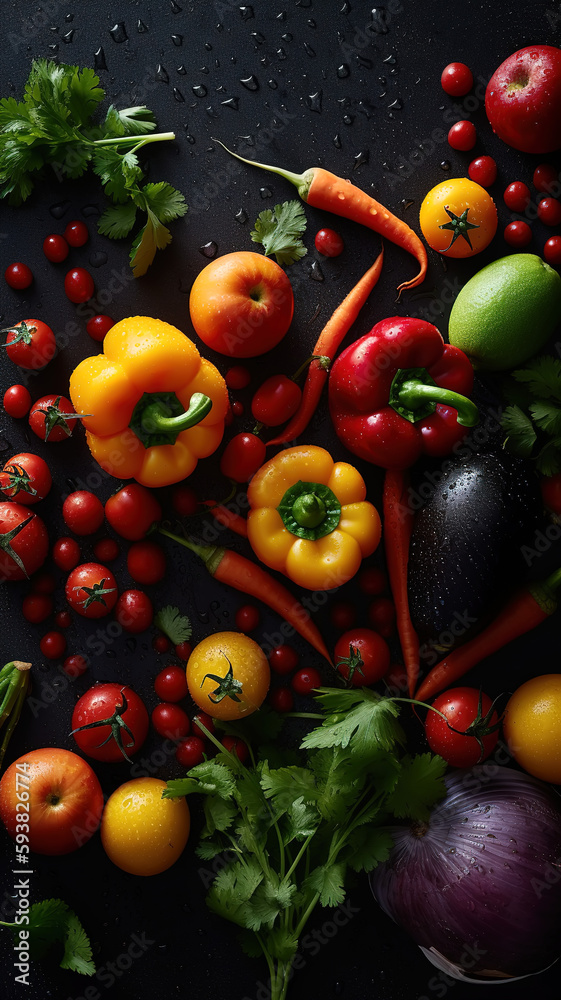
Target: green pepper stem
(300, 181)
(210, 554)
(308, 510)
(415, 393)
(154, 418)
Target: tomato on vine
(458, 217)
(110, 722)
(24, 543)
(362, 657)
(51, 418)
(228, 675)
(469, 733)
(25, 479)
(30, 344)
(91, 590)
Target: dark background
(322, 90)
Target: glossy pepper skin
(135, 396)
(309, 518)
(405, 360)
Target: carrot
(241, 574)
(325, 350)
(523, 612)
(322, 189)
(228, 518)
(398, 525)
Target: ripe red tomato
(183, 650)
(24, 543)
(75, 665)
(242, 457)
(381, 614)
(236, 746)
(473, 743)
(518, 234)
(161, 643)
(43, 583)
(37, 608)
(52, 418)
(329, 243)
(146, 562)
(79, 285)
(66, 553)
(276, 400)
(76, 233)
(247, 618)
(55, 248)
(283, 659)
(98, 326)
(342, 615)
(237, 377)
(25, 479)
(281, 699)
(372, 581)
(206, 721)
(170, 721)
(30, 344)
(362, 656)
(545, 177)
(120, 718)
(549, 211)
(132, 511)
(63, 619)
(462, 136)
(17, 401)
(171, 684)
(184, 501)
(53, 645)
(18, 276)
(517, 196)
(83, 512)
(106, 550)
(483, 170)
(134, 611)
(551, 492)
(456, 79)
(552, 251)
(91, 590)
(306, 680)
(190, 752)
(237, 408)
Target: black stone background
(362, 123)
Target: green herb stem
(140, 140)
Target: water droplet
(111, 653)
(396, 105)
(131, 643)
(241, 216)
(175, 8)
(315, 272)
(89, 210)
(141, 27)
(281, 16)
(205, 70)
(57, 211)
(250, 82)
(208, 46)
(162, 74)
(68, 36)
(378, 23)
(265, 192)
(99, 59)
(258, 38)
(209, 249)
(287, 37)
(190, 139)
(98, 259)
(5, 445)
(303, 3)
(200, 90)
(281, 54)
(314, 101)
(337, 141)
(360, 158)
(311, 23)
(445, 164)
(390, 60)
(346, 8)
(118, 32)
(247, 13)
(343, 71)
(272, 84)
(181, 70)
(178, 96)
(232, 102)
(177, 39)
(309, 50)
(69, 17)
(348, 119)
(54, 47)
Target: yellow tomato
(458, 218)
(532, 727)
(141, 832)
(228, 675)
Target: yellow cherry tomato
(532, 727)
(228, 675)
(141, 832)
(458, 218)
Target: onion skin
(481, 882)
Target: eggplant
(466, 545)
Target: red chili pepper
(228, 518)
(398, 525)
(400, 391)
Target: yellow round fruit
(228, 675)
(141, 832)
(532, 727)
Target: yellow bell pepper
(152, 406)
(309, 518)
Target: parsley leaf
(328, 881)
(370, 722)
(543, 376)
(419, 786)
(368, 845)
(520, 434)
(279, 231)
(118, 220)
(77, 949)
(172, 623)
(52, 922)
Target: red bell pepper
(399, 392)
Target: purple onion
(479, 885)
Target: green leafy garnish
(279, 231)
(532, 422)
(53, 126)
(52, 922)
(172, 623)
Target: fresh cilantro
(532, 424)
(370, 722)
(172, 623)
(520, 434)
(52, 922)
(279, 231)
(53, 125)
(418, 788)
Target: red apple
(523, 99)
(241, 304)
(51, 800)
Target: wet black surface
(298, 83)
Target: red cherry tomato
(53, 645)
(518, 234)
(190, 752)
(281, 699)
(170, 721)
(18, 276)
(106, 550)
(23, 552)
(134, 611)
(551, 492)
(91, 590)
(37, 607)
(372, 581)
(237, 747)
(98, 326)
(462, 136)
(30, 344)
(52, 418)
(78, 285)
(161, 643)
(276, 400)
(237, 408)
(146, 562)
(381, 614)
(66, 553)
(55, 248)
(549, 211)
(247, 618)
(456, 79)
(25, 479)
(343, 615)
(362, 656)
(283, 659)
(237, 377)
(184, 501)
(76, 233)
(517, 196)
(17, 401)
(183, 650)
(242, 457)
(43, 583)
(305, 680)
(171, 684)
(108, 701)
(545, 177)
(483, 170)
(329, 243)
(75, 665)
(460, 706)
(552, 251)
(63, 619)
(132, 511)
(83, 512)
(206, 721)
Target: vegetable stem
(140, 140)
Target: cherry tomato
(55, 248)
(43, 583)
(161, 643)
(66, 553)
(247, 618)
(183, 650)
(98, 326)
(237, 377)
(74, 666)
(206, 721)
(242, 457)
(381, 615)
(76, 233)
(462, 136)
(190, 752)
(53, 645)
(276, 400)
(104, 702)
(362, 656)
(396, 679)
(83, 512)
(30, 344)
(228, 416)
(517, 196)
(106, 550)
(52, 418)
(37, 607)
(18, 276)
(552, 251)
(170, 721)
(372, 581)
(532, 727)
(236, 746)
(24, 542)
(17, 401)
(91, 590)
(306, 679)
(343, 614)
(171, 684)
(228, 675)
(132, 511)
(63, 619)
(281, 699)
(545, 177)
(483, 170)
(458, 218)
(283, 659)
(146, 562)
(549, 211)
(134, 611)
(78, 285)
(329, 243)
(456, 79)
(518, 234)
(25, 479)
(461, 708)
(551, 492)
(237, 408)
(184, 501)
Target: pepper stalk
(15, 684)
